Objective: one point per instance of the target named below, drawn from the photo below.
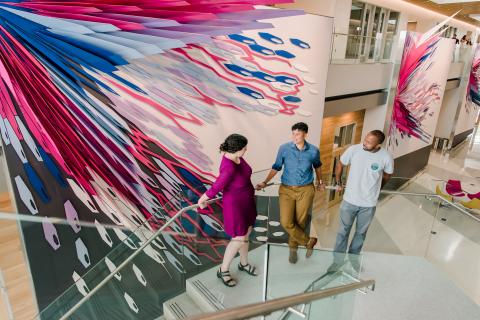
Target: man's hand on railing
(337, 188)
(320, 186)
(260, 186)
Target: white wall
(352, 78)
(466, 118)
(374, 119)
(447, 113)
(456, 70)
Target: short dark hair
(234, 143)
(301, 126)
(379, 135)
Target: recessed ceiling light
(475, 16)
(453, 1)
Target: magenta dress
(239, 209)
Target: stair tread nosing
(211, 295)
(180, 307)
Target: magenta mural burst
(99, 105)
(61, 64)
(473, 93)
(415, 94)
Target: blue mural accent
(299, 43)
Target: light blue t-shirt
(365, 176)
(297, 164)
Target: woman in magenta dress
(239, 209)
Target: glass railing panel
(419, 184)
(339, 307)
(353, 48)
(175, 246)
(129, 240)
(323, 270)
(415, 213)
(181, 281)
(346, 48)
(63, 236)
(462, 53)
(204, 287)
(388, 48)
(454, 246)
(139, 288)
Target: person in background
(299, 159)
(371, 167)
(456, 39)
(464, 39)
(239, 209)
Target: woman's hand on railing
(202, 202)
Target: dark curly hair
(233, 143)
(379, 135)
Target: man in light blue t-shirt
(370, 168)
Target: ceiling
(447, 8)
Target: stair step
(211, 295)
(180, 307)
(206, 299)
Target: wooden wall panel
(328, 134)
(15, 271)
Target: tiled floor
(404, 224)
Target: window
(371, 32)
(356, 17)
(344, 136)
(391, 31)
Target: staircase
(206, 293)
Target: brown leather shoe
(311, 243)
(293, 257)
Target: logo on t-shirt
(375, 166)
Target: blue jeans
(348, 213)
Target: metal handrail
(268, 307)
(55, 220)
(456, 206)
(417, 194)
(130, 258)
(352, 35)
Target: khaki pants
(295, 203)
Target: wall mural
(421, 83)
(111, 108)
(473, 95)
(471, 100)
